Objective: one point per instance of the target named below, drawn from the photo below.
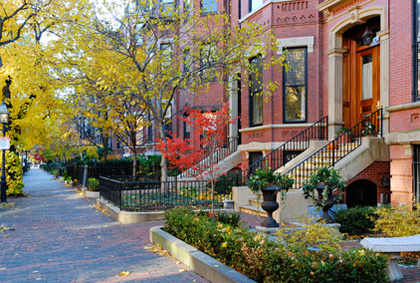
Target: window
(253, 4)
(187, 61)
(166, 53)
(187, 131)
(416, 83)
(208, 6)
(187, 5)
(207, 62)
(166, 8)
(168, 122)
(149, 128)
(255, 92)
(294, 82)
(416, 173)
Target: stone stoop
(254, 207)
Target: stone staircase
(307, 167)
(254, 206)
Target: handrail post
(382, 123)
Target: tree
(149, 52)
(199, 156)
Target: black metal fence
(146, 196)
(338, 148)
(287, 151)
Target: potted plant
(346, 135)
(369, 129)
(324, 181)
(269, 183)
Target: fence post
(83, 175)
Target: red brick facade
(303, 19)
(375, 173)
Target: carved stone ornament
(354, 14)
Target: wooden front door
(368, 85)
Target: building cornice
(265, 4)
(331, 4)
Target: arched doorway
(361, 193)
(361, 71)
(345, 90)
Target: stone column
(384, 77)
(233, 105)
(335, 90)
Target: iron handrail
(211, 157)
(338, 148)
(297, 144)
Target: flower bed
(270, 261)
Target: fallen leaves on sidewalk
(124, 273)
(3, 229)
(5, 205)
(98, 207)
(157, 249)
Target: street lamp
(4, 119)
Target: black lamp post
(4, 119)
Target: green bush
(224, 184)
(271, 261)
(93, 184)
(357, 220)
(224, 217)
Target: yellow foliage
(398, 221)
(311, 233)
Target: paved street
(60, 237)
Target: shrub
(14, 174)
(398, 221)
(271, 261)
(93, 184)
(357, 220)
(312, 233)
(224, 217)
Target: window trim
(250, 102)
(285, 121)
(415, 166)
(416, 53)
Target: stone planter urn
(270, 205)
(327, 205)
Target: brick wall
(400, 54)
(402, 176)
(375, 173)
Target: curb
(208, 267)
(129, 217)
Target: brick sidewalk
(60, 237)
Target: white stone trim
(402, 107)
(402, 138)
(307, 41)
(274, 126)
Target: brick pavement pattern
(60, 237)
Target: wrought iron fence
(288, 150)
(338, 148)
(145, 196)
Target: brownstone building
(354, 72)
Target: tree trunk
(163, 162)
(134, 162)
